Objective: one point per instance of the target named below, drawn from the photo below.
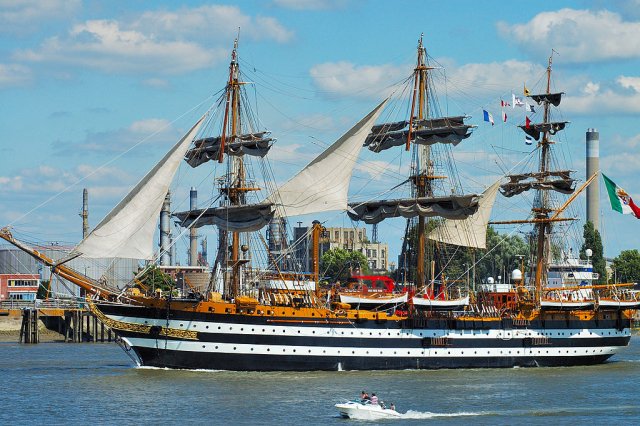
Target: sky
(94, 93)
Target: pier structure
(71, 320)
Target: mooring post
(35, 337)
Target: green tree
(154, 278)
(338, 263)
(43, 290)
(627, 266)
(502, 255)
(593, 241)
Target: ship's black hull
(261, 343)
(152, 357)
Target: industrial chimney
(193, 232)
(165, 230)
(85, 213)
(593, 190)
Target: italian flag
(620, 200)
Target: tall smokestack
(165, 230)
(85, 213)
(193, 235)
(593, 190)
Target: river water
(62, 383)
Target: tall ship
(260, 312)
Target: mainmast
(421, 130)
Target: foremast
(235, 186)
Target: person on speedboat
(364, 397)
(374, 398)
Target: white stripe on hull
(304, 351)
(369, 333)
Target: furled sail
(321, 186)
(243, 218)
(426, 132)
(553, 98)
(472, 231)
(127, 231)
(520, 183)
(534, 130)
(254, 144)
(324, 183)
(455, 207)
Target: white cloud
(629, 83)
(621, 96)
(578, 35)
(46, 179)
(198, 23)
(492, 78)
(364, 81)
(12, 183)
(14, 75)
(158, 83)
(315, 122)
(475, 79)
(622, 155)
(310, 4)
(136, 136)
(104, 45)
(151, 125)
(25, 16)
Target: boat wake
(411, 414)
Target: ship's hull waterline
(237, 342)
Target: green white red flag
(620, 199)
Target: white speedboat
(365, 411)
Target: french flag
(488, 117)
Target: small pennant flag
(516, 101)
(526, 91)
(528, 140)
(529, 107)
(527, 123)
(620, 199)
(504, 103)
(487, 116)
(504, 116)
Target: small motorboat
(365, 410)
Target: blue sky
(82, 82)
